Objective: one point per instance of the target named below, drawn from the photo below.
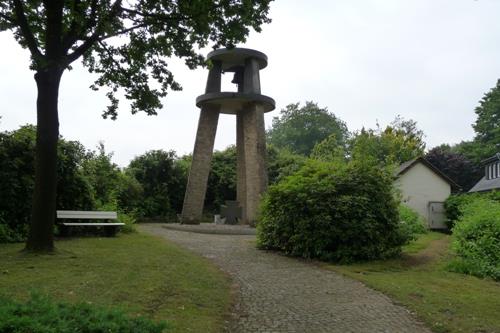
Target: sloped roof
(486, 185)
(403, 168)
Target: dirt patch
(436, 250)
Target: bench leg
(63, 231)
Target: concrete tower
(249, 107)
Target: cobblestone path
(281, 294)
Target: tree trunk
(41, 233)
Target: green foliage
(102, 174)
(87, 180)
(455, 165)
(486, 143)
(299, 129)
(332, 211)
(329, 150)
(477, 239)
(17, 158)
(163, 182)
(222, 179)
(455, 204)
(282, 163)
(129, 194)
(412, 224)
(42, 315)
(17, 150)
(487, 125)
(473, 150)
(74, 190)
(399, 142)
(129, 220)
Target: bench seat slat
(92, 224)
(76, 214)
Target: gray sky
(366, 60)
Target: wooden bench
(110, 228)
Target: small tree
(126, 44)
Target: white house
(424, 188)
(491, 179)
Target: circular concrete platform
(212, 228)
(232, 102)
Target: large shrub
(41, 315)
(17, 177)
(477, 239)
(333, 211)
(455, 204)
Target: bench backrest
(78, 214)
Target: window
(492, 170)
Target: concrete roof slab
(233, 58)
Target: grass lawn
(447, 302)
(138, 273)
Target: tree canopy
(487, 125)
(128, 43)
(299, 129)
(455, 165)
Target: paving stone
(280, 294)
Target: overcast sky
(366, 60)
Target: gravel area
(280, 294)
(212, 228)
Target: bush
(332, 211)
(455, 204)
(282, 163)
(17, 178)
(41, 315)
(411, 223)
(129, 220)
(163, 183)
(477, 239)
